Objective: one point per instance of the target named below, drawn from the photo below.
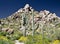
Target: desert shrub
(23, 39)
(5, 40)
(56, 42)
(3, 33)
(14, 36)
(36, 39)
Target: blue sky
(7, 7)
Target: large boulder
(8, 30)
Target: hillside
(27, 21)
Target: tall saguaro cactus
(24, 24)
(32, 23)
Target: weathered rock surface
(14, 21)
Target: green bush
(36, 39)
(3, 33)
(23, 39)
(14, 36)
(5, 40)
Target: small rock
(17, 42)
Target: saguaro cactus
(32, 23)
(24, 24)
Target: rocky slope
(15, 20)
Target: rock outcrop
(15, 20)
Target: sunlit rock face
(47, 16)
(8, 30)
(26, 6)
